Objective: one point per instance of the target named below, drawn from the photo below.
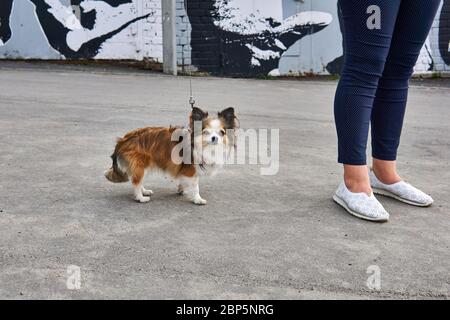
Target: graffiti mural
(82, 36)
(425, 62)
(256, 37)
(228, 39)
(223, 37)
(76, 28)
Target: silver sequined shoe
(401, 191)
(360, 204)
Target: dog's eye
(205, 131)
(222, 132)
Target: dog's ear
(228, 117)
(198, 114)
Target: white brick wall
(183, 35)
(151, 31)
(141, 40)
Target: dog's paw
(147, 192)
(200, 201)
(142, 199)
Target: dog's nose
(214, 139)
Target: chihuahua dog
(205, 144)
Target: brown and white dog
(152, 149)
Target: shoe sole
(342, 203)
(396, 197)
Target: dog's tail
(115, 174)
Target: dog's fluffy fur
(150, 149)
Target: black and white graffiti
(226, 39)
(426, 61)
(5, 11)
(76, 28)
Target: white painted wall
(141, 39)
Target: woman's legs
(413, 23)
(366, 48)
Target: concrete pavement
(258, 237)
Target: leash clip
(191, 101)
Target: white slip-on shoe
(401, 191)
(360, 204)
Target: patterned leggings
(382, 41)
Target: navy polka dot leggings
(382, 41)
